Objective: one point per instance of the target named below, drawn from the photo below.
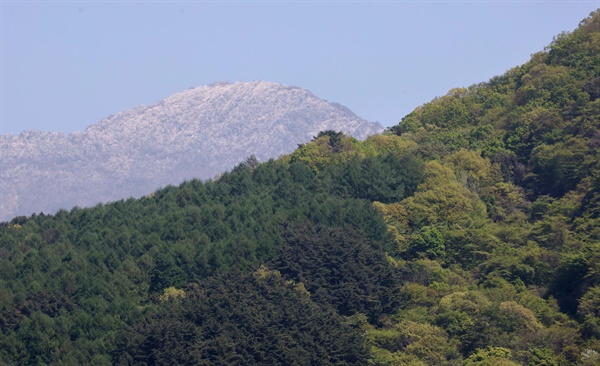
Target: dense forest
(468, 234)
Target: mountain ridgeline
(198, 133)
(468, 234)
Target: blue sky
(68, 64)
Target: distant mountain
(197, 133)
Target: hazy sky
(68, 64)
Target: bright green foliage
(538, 126)
(388, 144)
(412, 343)
(327, 148)
(442, 200)
(172, 294)
(491, 356)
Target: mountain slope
(197, 133)
(539, 120)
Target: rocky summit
(197, 133)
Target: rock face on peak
(197, 133)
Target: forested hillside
(468, 234)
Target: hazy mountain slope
(197, 133)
